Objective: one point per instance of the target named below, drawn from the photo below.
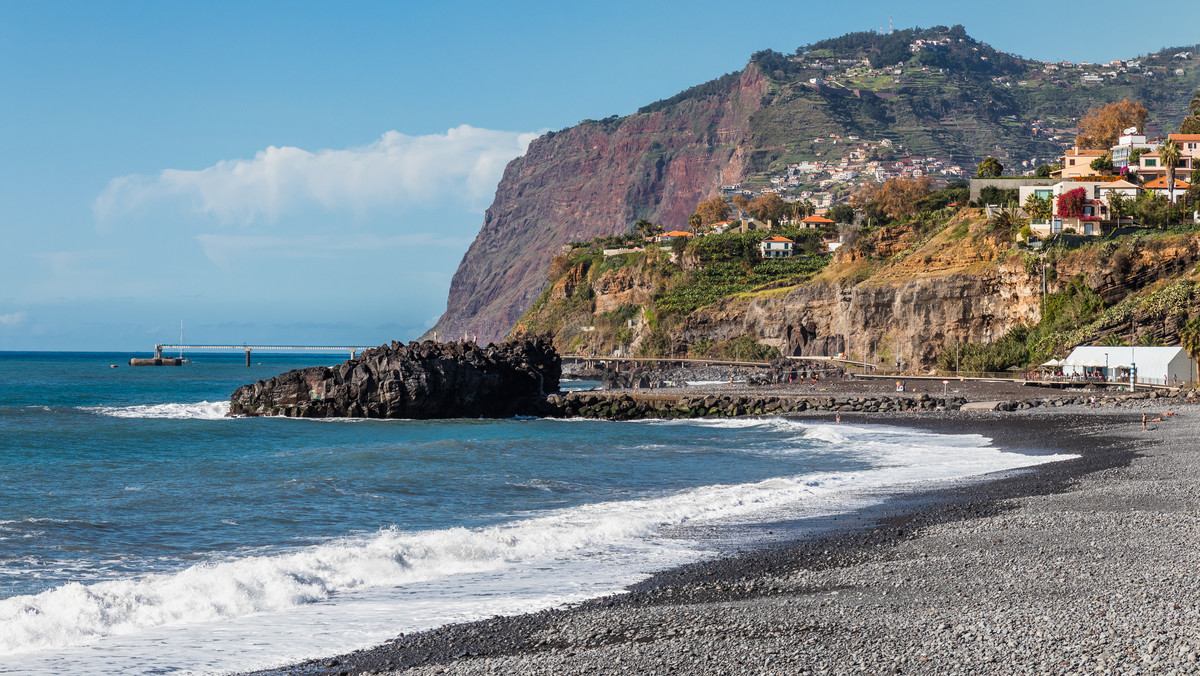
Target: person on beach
(1143, 422)
(837, 418)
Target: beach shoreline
(776, 604)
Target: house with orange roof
(776, 247)
(1159, 185)
(1150, 165)
(816, 222)
(673, 235)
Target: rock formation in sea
(418, 380)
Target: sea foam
(203, 410)
(577, 537)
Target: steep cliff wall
(591, 180)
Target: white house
(1155, 365)
(776, 247)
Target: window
(1072, 163)
(1151, 162)
(1056, 226)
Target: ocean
(141, 531)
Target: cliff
(958, 100)
(416, 381)
(591, 180)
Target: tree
(1191, 125)
(803, 209)
(1170, 152)
(646, 229)
(1194, 104)
(1042, 171)
(895, 198)
(1070, 203)
(1189, 336)
(1152, 209)
(1119, 205)
(695, 221)
(842, 213)
(713, 210)
(1038, 208)
(741, 202)
(769, 207)
(1102, 164)
(1100, 127)
(990, 167)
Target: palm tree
(1189, 336)
(1194, 104)
(1169, 152)
(1112, 340)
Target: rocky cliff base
(417, 381)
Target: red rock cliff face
(591, 180)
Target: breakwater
(625, 406)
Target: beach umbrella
(1054, 362)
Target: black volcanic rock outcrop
(417, 380)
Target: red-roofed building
(1159, 185)
(776, 247)
(673, 235)
(815, 221)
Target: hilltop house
(816, 222)
(1094, 212)
(673, 235)
(1077, 162)
(776, 247)
(1126, 144)
(1150, 165)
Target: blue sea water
(142, 531)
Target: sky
(312, 172)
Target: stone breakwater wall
(638, 406)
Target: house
(1126, 144)
(833, 240)
(776, 247)
(1152, 365)
(1077, 162)
(1094, 212)
(816, 221)
(1150, 164)
(1159, 185)
(673, 235)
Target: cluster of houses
(1096, 212)
(826, 182)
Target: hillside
(904, 295)
(953, 98)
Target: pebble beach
(1083, 566)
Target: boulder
(417, 380)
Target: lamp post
(1105, 367)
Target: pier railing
(352, 349)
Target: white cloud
(464, 164)
(14, 318)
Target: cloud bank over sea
(462, 166)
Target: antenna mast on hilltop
(891, 27)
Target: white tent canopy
(1162, 365)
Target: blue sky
(309, 172)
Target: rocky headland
(416, 381)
